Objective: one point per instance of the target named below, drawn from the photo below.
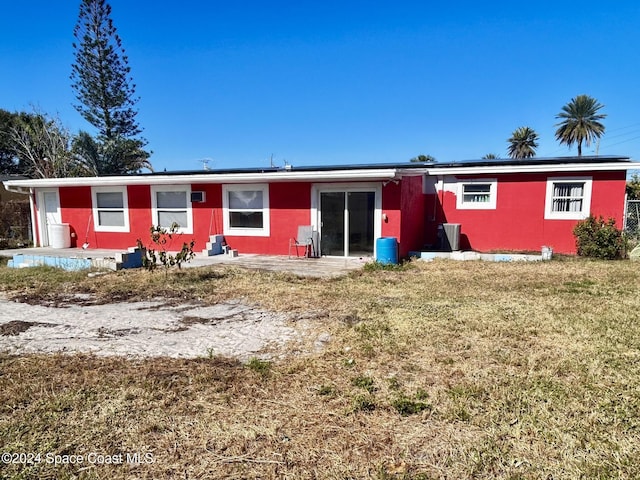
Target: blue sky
(317, 83)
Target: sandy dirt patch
(146, 329)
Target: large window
(477, 194)
(110, 209)
(171, 205)
(568, 198)
(246, 209)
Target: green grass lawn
(435, 370)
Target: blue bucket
(387, 250)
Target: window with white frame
(110, 209)
(568, 198)
(246, 209)
(170, 204)
(477, 194)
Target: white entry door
(49, 207)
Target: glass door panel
(332, 209)
(361, 208)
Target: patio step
(213, 246)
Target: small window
(477, 194)
(110, 209)
(568, 198)
(246, 210)
(170, 206)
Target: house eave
(204, 178)
(532, 168)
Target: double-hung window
(110, 209)
(568, 198)
(477, 194)
(246, 209)
(170, 204)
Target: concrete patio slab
(324, 267)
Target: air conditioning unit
(197, 197)
(449, 234)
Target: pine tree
(101, 73)
(104, 88)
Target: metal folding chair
(303, 239)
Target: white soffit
(258, 177)
(542, 168)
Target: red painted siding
(404, 206)
(76, 210)
(412, 207)
(290, 206)
(518, 221)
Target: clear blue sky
(329, 82)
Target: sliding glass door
(347, 223)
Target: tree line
(580, 124)
(38, 145)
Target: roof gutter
(495, 169)
(16, 189)
(281, 176)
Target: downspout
(32, 207)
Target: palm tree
(523, 143)
(580, 122)
(491, 156)
(423, 158)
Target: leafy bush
(157, 252)
(597, 238)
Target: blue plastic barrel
(387, 250)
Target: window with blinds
(477, 194)
(568, 198)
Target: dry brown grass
(438, 370)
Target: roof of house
(327, 173)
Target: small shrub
(157, 251)
(597, 238)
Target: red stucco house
(503, 204)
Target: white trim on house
(551, 214)
(96, 210)
(464, 203)
(172, 188)
(265, 231)
(539, 168)
(222, 178)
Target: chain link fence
(632, 219)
